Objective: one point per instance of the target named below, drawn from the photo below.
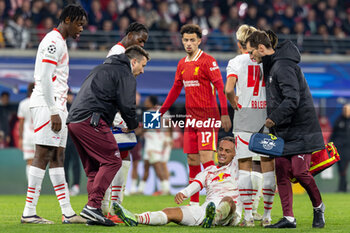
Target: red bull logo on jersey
(221, 177)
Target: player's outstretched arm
(172, 96)
(179, 198)
(191, 189)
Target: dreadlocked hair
(136, 27)
(74, 12)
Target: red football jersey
(200, 77)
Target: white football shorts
(43, 134)
(194, 215)
(154, 156)
(242, 147)
(154, 152)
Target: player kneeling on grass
(220, 205)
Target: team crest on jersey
(221, 177)
(51, 49)
(196, 70)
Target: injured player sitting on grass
(222, 196)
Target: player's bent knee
(173, 214)
(227, 199)
(231, 203)
(300, 174)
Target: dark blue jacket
(289, 101)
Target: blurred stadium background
(320, 29)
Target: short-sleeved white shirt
(116, 50)
(250, 89)
(52, 50)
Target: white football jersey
(155, 140)
(28, 128)
(116, 49)
(220, 182)
(250, 89)
(52, 50)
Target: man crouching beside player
(220, 205)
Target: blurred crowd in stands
(109, 19)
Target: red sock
(209, 163)
(194, 170)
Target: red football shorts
(196, 139)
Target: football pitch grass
(337, 215)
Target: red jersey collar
(119, 43)
(55, 29)
(195, 58)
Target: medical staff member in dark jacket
(109, 88)
(341, 138)
(291, 112)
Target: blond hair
(242, 34)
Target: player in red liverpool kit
(199, 73)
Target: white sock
(165, 186)
(27, 171)
(289, 218)
(125, 169)
(257, 180)
(142, 186)
(222, 211)
(269, 188)
(133, 188)
(60, 186)
(245, 192)
(118, 185)
(105, 201)
(153, 218)
(35, 179)
(239, 210)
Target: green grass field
(337, 215)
